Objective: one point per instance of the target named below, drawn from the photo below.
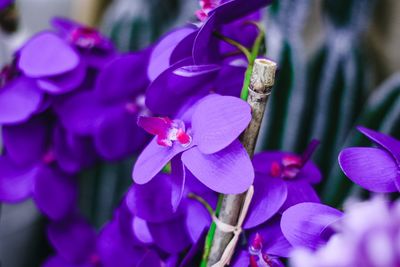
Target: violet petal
(217, 121)
(371, 168)
(228, 171)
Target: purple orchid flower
(78, 245)
(93, 47)
(282, 180)
(38, 162)
(367, 235)
(20, 98)
(266, 245)
(161, 211)
(109, 112)
(309, 224)
(208, 147)
(224, 14)
(375, 169)
(5, 3)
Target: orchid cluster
(69, 100)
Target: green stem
(254, 53)
(210, 235)
(236, 44)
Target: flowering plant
(186, 112)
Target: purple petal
(230, 80)
(170, 236)
(64, 83)
(46, 54)
(197, 219)
(150, 259)
(54, 193)
(73, 239)
(152, 159)
(206, 45)
(274, 242)
(303, 224)
(117, 250)
(389, 143)
(178, 84)
(19, 99)
(72, 152)
(297, 192)
(233, 10)
(161, 54)
(114, 83)
(117, 134)
(152, 201)
(310, 172)
(16, 183)
(57, 261)
(141, 230)
(242, 259)
(27, 143)
(178, 181)
(64, 25)
(269, 195)
(372, 168)
(194, 253)
(80, 113)
(217, 121)
(228, 171)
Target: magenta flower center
(49, 157)
(167, 131)
(290, 165)
(257, 257)
(206, 7)
(85, 37)
(287, 168)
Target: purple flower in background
(266, 245)
(81, 36)
(109, 112)
(38, 160)
(309, 224)
(206, 144)
(162, 209)
(5, 3)
(368, 235)
(282, 180)
(375, 169)
(57, 69)
(77, 245)
(20, 97)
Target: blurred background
(338, 63)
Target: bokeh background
(338, 67)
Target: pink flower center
(49, 157)
(257, 257)
(85, 37)
(167, 131)
(290, 165)
(94, 259)
(206, 7)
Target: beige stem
(262, 80)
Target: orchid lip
(167, 131)
(85, 37)
(290, 165)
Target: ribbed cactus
(321, 97)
